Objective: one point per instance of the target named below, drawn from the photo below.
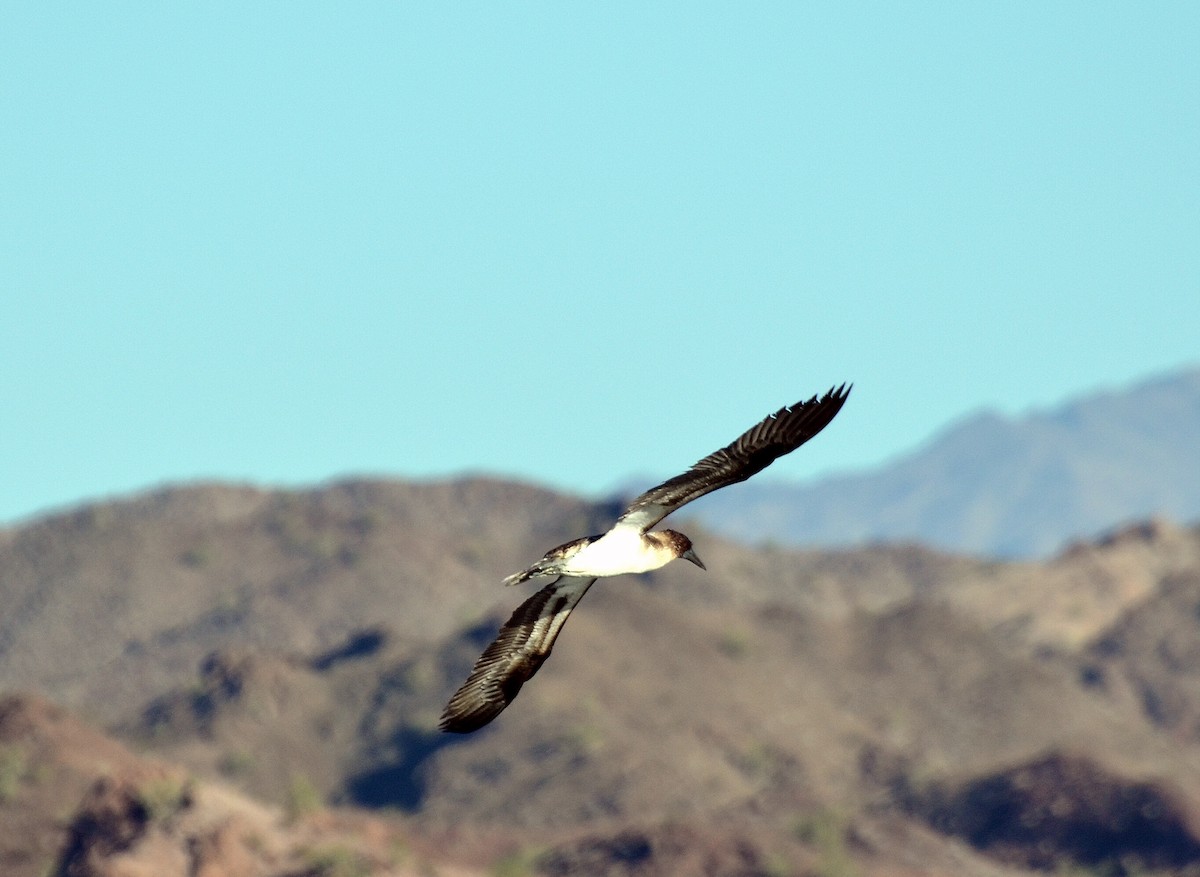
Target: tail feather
(518, 577)
(538, 569)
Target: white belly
(620, 550)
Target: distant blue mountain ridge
(1011, 487)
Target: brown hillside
(803, 710)
(75, 803)
(110, 605)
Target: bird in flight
(525, 640)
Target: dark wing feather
(514, 656)
(756, 449)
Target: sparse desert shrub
(12, 772)
(584, 738)
(367, 522)
(196, 557)
(757, 761)
(97, 518)
(472, 552)
(734, 643)
(302, 798)
(778, 865)
(824, 829)
(521, 863)
(336, 861)
(165, 797)
(235, 764)
(416, 676)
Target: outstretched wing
(756, 449)
(514, 656)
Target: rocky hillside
(996, 485)
(892, 710)
(76, 803)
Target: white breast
(620, 550)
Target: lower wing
(522, 646)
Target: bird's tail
(518, 577)
(538, 569)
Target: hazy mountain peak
(996, 484)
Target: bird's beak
(694, 558)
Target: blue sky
(573, 242)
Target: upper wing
(754, 450)
(514, 656)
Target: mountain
(74, 802)
(879, 711)
(996, 485)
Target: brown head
(681, 545)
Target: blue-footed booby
(525, 640)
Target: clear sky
(573, 242)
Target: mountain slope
(1008, 487)
(76, 803)
(113, 603)
(784, 712)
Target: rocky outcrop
(1068, 810)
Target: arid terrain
(223, 680)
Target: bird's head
(682, 546)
